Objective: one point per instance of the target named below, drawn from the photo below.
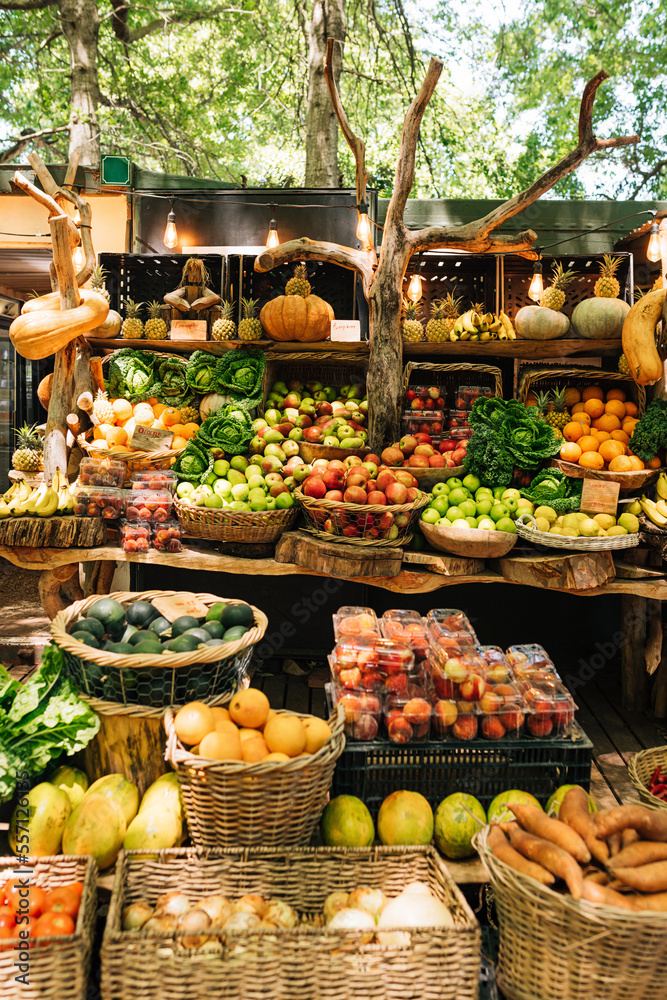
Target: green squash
(540, 323)
(600, 319)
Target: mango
(153, 830)
(96, 827)
(39, 825)
(163, 795)
(122, 791)
(71, 781)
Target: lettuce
(195, 463)
(240, 372)
(228, 429)
(132, 375)
(201, 372)
(174, 390)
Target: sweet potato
(595, 875)
(642, 852)
(615, 843)
(503, 850)
(629, 836)
(647, 878)
(536, 822)
(649, 823)
(593, 892)
(574, 812)
(656, 901)
(550, 856)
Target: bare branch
(354, 142)
(361, 261)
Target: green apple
(255, 495)
(471, 521)
(271, 503)
(498, 511)
(239, 462)
(240, 491)
(506, 524)
(431, 515)
(184, 489)
(469, 508)
(260, 504)
(210, 479)
(443, 522)
(471, 482)
(510, 503)
(221, 466)
(441, 488)
(486, 524)
(455, 514)
(454, 483)
(213, 501)
(484, 491)
(255, 481)
(498, 492)
(222, 487)
(510, 493)
(296, 434)
(441, 504)
(458, 495)
(282, 502)
(484, 506)
(239, 505)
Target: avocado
(237, 614)
(88, 638)
(148, 648)
(122, 648)
(141, 614)
(201, 634)
(214, 612)
(109, 612)
(234, 633)
(182, 625)
(159, 626)
(92, 625)
(182, 644)
(214, 629)
(143, 635)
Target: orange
(189, 430)
(581, 417)
(636, 463)
(116, 436)
(249, 709)
(158, 409)
(572, 396)
(276, 756)
(588, 443)
(122, 408)
(226, 726)
(616, 407)
(98, 433)
(594, 407)
(285, 734)
(178, 442)
(592, 392)
(254, 750)
(616, 394)
(611, 450)
(177, 429)
(317, 733)
(220, 714)
(655, 463)
(152, 401)
(631, 409)
(573, 430)
(170, 416)
(601, 435)
(621, 464)
(570, 451)
(193, 722)
(592, 460)
(221, 746)
(609, 422)
(578, 407)
(620, 436)
(629, 425)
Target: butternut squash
(639, 344)
(41, 331)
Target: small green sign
(116, 171)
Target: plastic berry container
(457, 418)
(531, 660)
(134, 536)
(502, 712)
(373, 664)
(167, 536)
(157, 479)
(461, 674)
(102, 472)
(406, 626)
(433, 392)
(412, 421)
(363, 711)
(406, 718)
(460, 433)
(352, 620)
(148, 505)
(499, 668)
(550, 708)
(455, 719)
(90, 501)
(448, 620)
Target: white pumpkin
(540, 323)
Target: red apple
(407, 444)
(410, 395)
(423, 438)
(417, 404)
(447, 445)
(418, 462)
(355, 494)
(429, 404)
(377, 497)
(392, 456)
(313, 435)
(334, 495)
(384, 479)
(433, 392)
(406, 479)
(333, 479)
(374, 458)
(437, 461)
(439, 403)
(350, 531)
(351, 461)
(412, 494)
(424, 449)
(458, 456)
(396, 493)
(314, 487)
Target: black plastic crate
(470, 277)
(371, 771)
(147, 277)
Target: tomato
(7, 916)
(54, 923)
(76, 887)
(15, 894)
(7, 934)
(62, 900)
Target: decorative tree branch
(360, 261)
(354, 142)
(66, 198)
(49, 203)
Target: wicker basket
(234, 525)
(365, 519)
(580, 544)
(334, 368)
(305, 963)
(137, 461)
(639, 479)
(57, 967)
(205, 674)
(552, 946)
(275, 804)
(641, 768)
(538, 379)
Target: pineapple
(437, 328)
(132, 328)
(189, 415)
(97, 281)
(28, 455)
(103, 411)
(657, 284)
(607, 287)
(543, 403)
(451, 307)
(559, 416)
(155, 327)
(225, 327)
(299, 284)
(411, 327)
(553, 297)
(250, 327)
(623, 366)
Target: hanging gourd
(297, 315)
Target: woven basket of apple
(158, 648)
(362, 504)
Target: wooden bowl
(427, 478)
(638, 480)
(309, 452)
(475, 543)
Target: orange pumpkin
(293, 317)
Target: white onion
(280, 914)
(411, 910)
(218, 908)
(173, 903)
(353, 920)
(194, 920)
(242, 921)
(250, 904)
(372, 901)
(416, 889)
(334, 902)
(160, 925)
(136, 915)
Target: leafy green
(132, 375)
(194, 464)
(506, 434)
(201, 372)
(553, 488)
(171, 374)
(8, 688)
(229, 429)
(241, 372)
(530, 441)
(488, 458)
(46, 718)
(650, 434)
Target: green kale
(201, 372)
(240, 373)
(650, 434)
(132, 375)
(487, 457)
(174, 390)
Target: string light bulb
(272, 240)
(537, 284)
(364, 233)
(78, 259)
(415, 286)
(170, 238)
(653, 249)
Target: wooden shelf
(222, 346)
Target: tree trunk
(327, 21)
(81, 25)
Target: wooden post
(634, 679)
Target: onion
(160, 925)
(411, 910)
(334, 902)
(173, 903)
(194, 920)
(136, 915)
(218, 908)
(212, 402)
(353, 920)
(250, 904)
(372, 901)
(211, 946)
(416, 889)
(242, 921)
(280, 914)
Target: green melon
(405, 818)
(499, 811)
(346, 822)
(39, 823)
(457, 819)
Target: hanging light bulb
(415, 286)
(170, 238)
(536, 285)
(272, 240)
(78, 259)
(364, 234)
(653, 249)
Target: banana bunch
(661, 486)
(656, 512)
(45, 500)
(483, 327)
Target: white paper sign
(151, 438)
(345, 329)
